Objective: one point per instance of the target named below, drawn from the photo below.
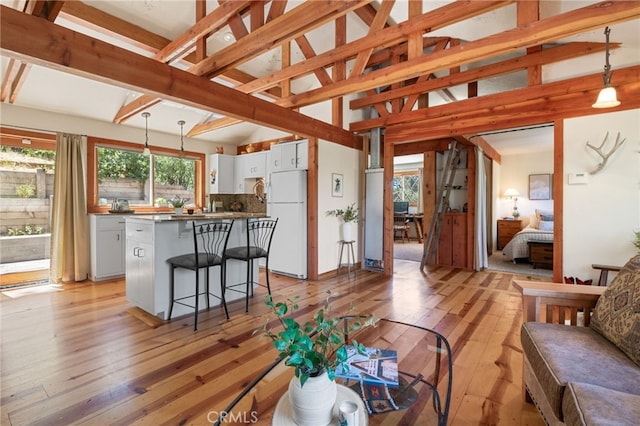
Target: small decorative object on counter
(178, 204)
(235, 206)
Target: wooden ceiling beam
(64, 50)
(489, 103)
(544, 31)
(439, 18)
(543, 109)
(292, 24)
(185, 42)
(378, 23)
(547, 56)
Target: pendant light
(607, 97)
(146, 150)
(181, 124)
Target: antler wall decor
(605, 156)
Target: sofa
(581, 349)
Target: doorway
(26, 188)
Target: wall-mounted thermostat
(578, 178)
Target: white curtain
(70, 230)
(421, 190)
(481, 258)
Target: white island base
(152, 239)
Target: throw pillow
(546, 225)
(534, 222)
(544, 215)
(617, 313)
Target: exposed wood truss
(395, 65)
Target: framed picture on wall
(540, 187)
(336, 184)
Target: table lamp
(512, 194)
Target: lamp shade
(511, 192)
(607, 98)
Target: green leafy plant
(28, 190)
(637, 241)
(350, 214)
(178, 202)
(315, 346)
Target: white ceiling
(55, 91)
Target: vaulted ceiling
(419, 69)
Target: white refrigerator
(287, 201)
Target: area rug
(408, 251)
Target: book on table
(376, 366)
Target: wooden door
(445, 243)
(459, 240)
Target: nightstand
(507, 228)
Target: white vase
(312, 404)
(179, 210)
(347, 231)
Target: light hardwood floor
(79, 354)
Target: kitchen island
(152, 239)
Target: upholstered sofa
(581, 349)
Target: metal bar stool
(210, 242)
(259, 235)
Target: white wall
(38, 120)
(334, 158)
(514, 173)
(599, 217)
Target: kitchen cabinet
(238, 180)
(254, 165)
(290, 156)
(506, 230)
(452, 245)
(107, 245)
(222, 174)
(140, 265)
(151, 240)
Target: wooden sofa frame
(558, 304)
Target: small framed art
(540, 187)
(336, 184)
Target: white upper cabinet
(222, 174)
(255, 165)
(289, 156)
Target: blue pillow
(546, 225)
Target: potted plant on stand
(348, 216)
(314, 349)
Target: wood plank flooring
(80, 354)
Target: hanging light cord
(146, 128)
(181, 123)
(607, 67)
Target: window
(121, 171)
(406, 187)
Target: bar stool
(351, 258)
(209, 242)
(259, 235)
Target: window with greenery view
(143, 180)
(406, 188)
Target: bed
(540, 228)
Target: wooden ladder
(442, 204)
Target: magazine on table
(377, 366)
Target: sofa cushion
(617, 313)
(585, 404)
(560, 354)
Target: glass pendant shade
(607, 98)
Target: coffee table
(422, 398)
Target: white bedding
(518, 248)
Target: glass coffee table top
(421, 398)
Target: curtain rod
(50, 132)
